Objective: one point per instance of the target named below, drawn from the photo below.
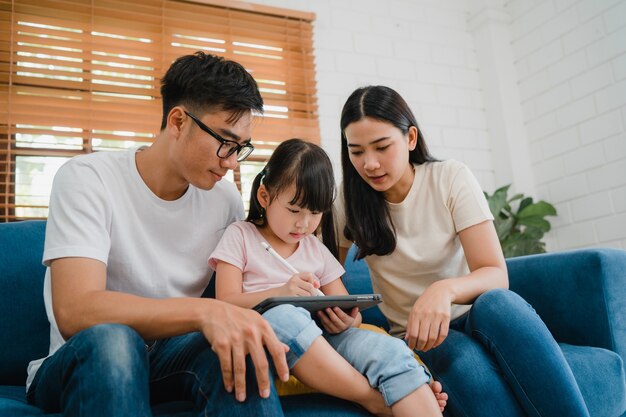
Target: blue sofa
(580, 295)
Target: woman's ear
(412, 135)
(263, 196)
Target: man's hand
(234, 333)
(335, 320)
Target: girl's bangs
(314, 193)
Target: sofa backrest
(357, 281)
(24, 327)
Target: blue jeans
(386, 362)
(107, 370)
(517, 368)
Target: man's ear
(263, 196)
(175, 119)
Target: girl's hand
(301, 284)
(429, 320)
(335, 320)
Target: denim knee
(498, 307)
(114, 351)
(399, 373)
(386, 362)
(295, 328)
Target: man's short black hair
(204, 82)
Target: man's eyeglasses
(227, 147)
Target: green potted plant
(520, 231)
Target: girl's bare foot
(442, 397)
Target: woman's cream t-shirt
(444, 199)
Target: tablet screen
(315, 303)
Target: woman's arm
(343, 254)
(429, 320)
(486, 263)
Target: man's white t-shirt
(100, 208)
(443, 200)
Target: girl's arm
(229, 286)
(336, 320)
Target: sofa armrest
(580, 295)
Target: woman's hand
(429, 320)
(301, 284)
(335, 320)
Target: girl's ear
(263, 196)
(412, 135)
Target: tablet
(315, 303)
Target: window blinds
(78, 76)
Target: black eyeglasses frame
(230, 146)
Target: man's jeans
(518, 369)
(107, 370)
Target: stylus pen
(284, 262)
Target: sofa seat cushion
(13, 403)
(592, 368)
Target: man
(127, 242)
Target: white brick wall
(421, 48)
(570, 59)
(570, 56)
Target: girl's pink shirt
(241, 246)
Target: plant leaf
(497, 201)
(540, 209)
(525, 202)
(503, 227)
(536, 222)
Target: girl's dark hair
(204, 82)
(308, 167)
(368, 222)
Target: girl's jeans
(107, 370)
(499, 359)
(385, 361)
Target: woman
(426, 233)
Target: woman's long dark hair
(308, 167)
(368, 222)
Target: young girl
(426, 233)
(290, 198)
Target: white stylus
(284, 262)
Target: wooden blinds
(79, 76)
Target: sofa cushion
(24, 328)
(592, 368)
(13, 403)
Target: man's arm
(80, 300)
